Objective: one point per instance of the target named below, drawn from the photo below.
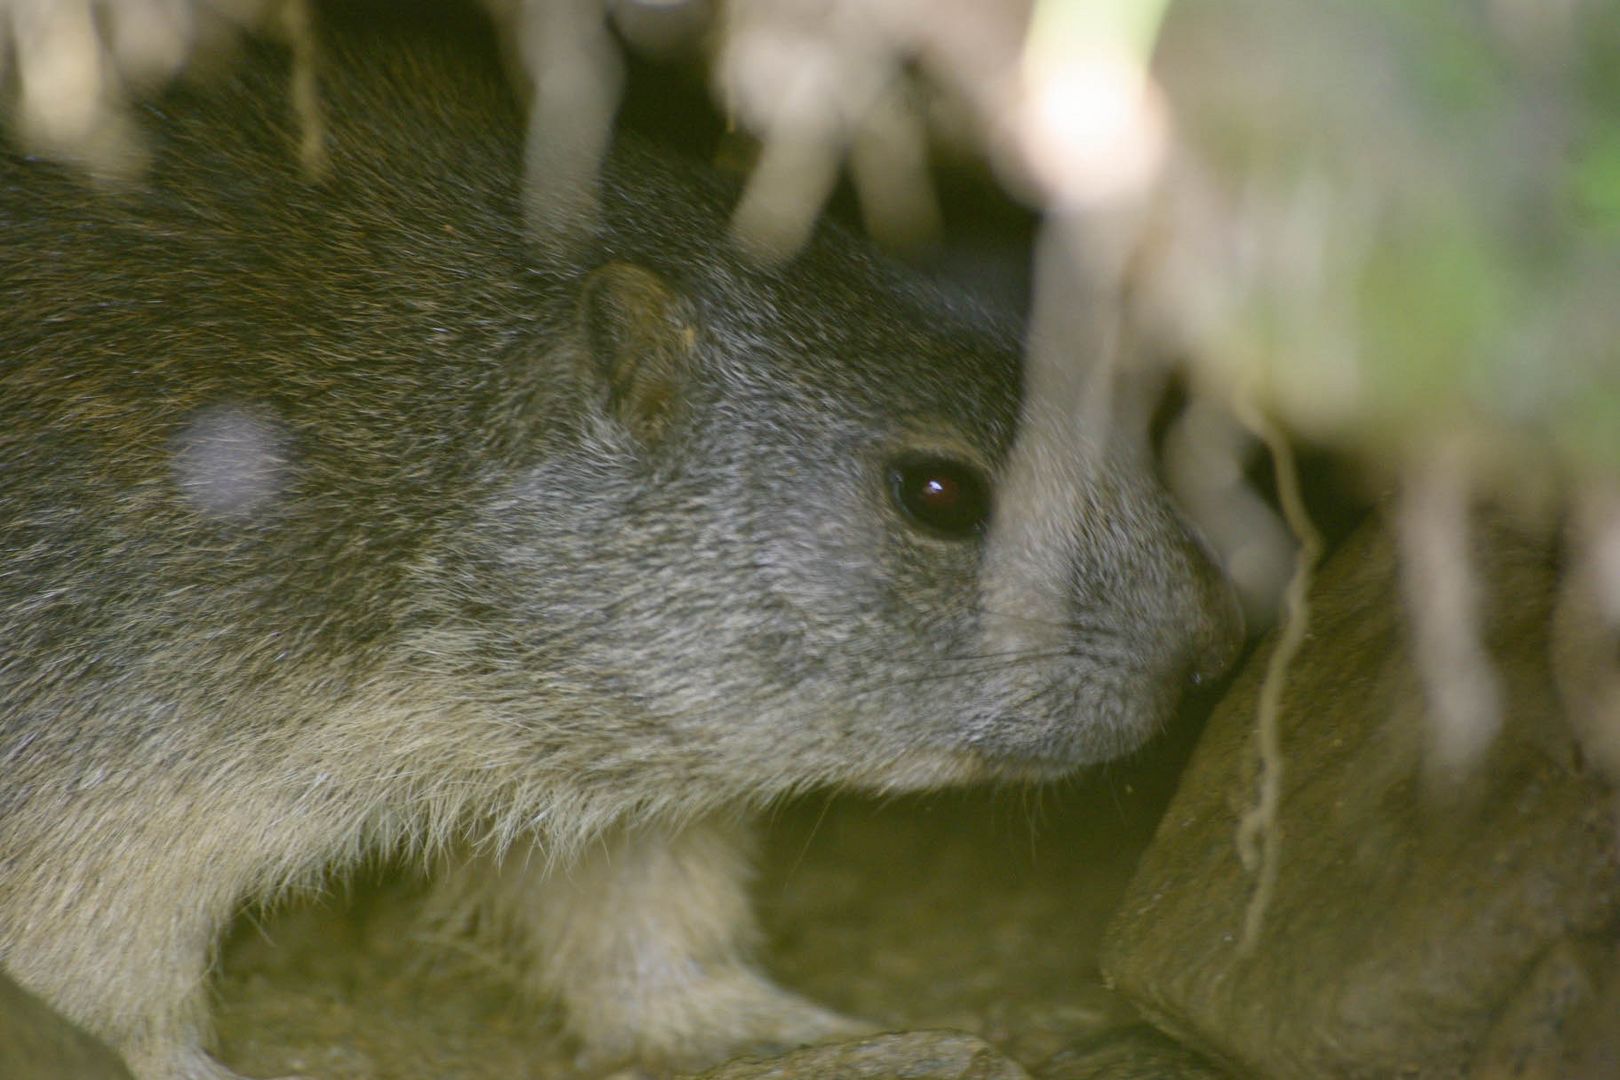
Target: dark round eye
(943, 496)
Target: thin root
(1258, 833)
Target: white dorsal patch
(230, 461)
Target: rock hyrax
(338, 518)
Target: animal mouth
(996, 762)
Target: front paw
(697, 1021)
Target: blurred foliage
(1426, 199)
(1407, 219)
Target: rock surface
(1415, 930)
(913, 1055)
(1129, 1053)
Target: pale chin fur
(927, 770)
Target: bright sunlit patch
(1092, 126)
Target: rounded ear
(641, 338)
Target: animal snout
(1216, 619)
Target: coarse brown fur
(336, 518)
